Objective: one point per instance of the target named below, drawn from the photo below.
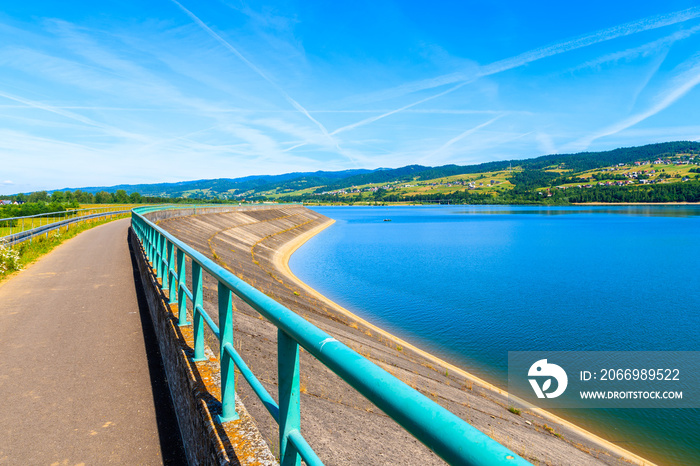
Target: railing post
(151, 232)
(181, 284)
(228, 374)
(158, 258)
(197, 317)
(152, 243)
(289, 417)
(172, 279)
(165, 283)
(144, 233)
(164, 262)
(146, 240)
(154, 248)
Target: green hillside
(664, 172)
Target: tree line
(523, 193)
(41, 202)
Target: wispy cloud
(367, 121)
(545, 143)
(634, 27)
(641, 51)
(74, 116)
(257, 70)
(626, 29)
(463, 135)
(680, 86)
(650, 74)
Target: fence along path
(75, 377)
(445, 434)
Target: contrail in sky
(463, 135)
(634, 27)
(405, 107)
(72, 116)
(253, 67)
(684, 84)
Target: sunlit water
(472, 283)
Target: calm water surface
(472, 283)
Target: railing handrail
(450, 437)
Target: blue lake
(470, 283)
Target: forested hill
(253, 187)
(219, 185)
(578, 162)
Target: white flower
(9, 259)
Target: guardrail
(25, 235)
(12, 225)
(450, 437)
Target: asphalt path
(81, 380)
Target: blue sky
(102, 93)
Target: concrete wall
(195, 389)
(159, 215)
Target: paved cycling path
(80, 376)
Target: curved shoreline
(280, 260)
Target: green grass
(43, 244)
(29, 223)
(32, 222)
(514, 410)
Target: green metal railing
(444, 433)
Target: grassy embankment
(15, 258)
(28, 223)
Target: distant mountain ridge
(216, 185)
(252, 186)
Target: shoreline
(280, 261)
(414, 204)
(635, 203)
